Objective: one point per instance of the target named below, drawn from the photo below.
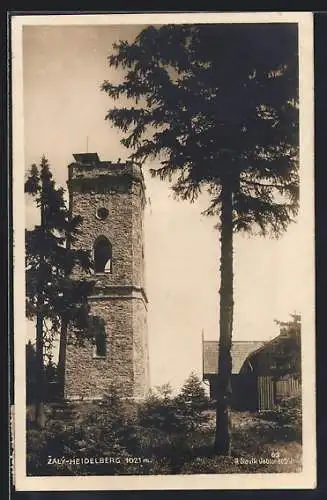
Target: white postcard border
(306, 478)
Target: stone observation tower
(110, 198)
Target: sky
(64, 113)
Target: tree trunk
(62, 357)
(39, 386)
(224, 387)
(39, 392)
(61, 370)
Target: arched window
(102, 255)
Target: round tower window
(102, 213)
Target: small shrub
(184, 413)
(107, 429)
(191, 403)
(159, 411)
(287, 418)
(170, 433)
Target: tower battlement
(89, 174)
(88, 166)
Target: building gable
(240, 352)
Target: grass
(260, 444)
(254, 449)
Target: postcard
(163, 229)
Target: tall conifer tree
(53, 295)
(217, 106)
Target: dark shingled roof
(240, 351)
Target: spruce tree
(191, 403)
(54, 297)
(217, 107)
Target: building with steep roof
(261, 372)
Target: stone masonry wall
(126, 364)
(137, 237)
(140, 350)
(91, 378)
(117, 228)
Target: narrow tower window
(100, 347)
(97, 329)
(102, 255)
